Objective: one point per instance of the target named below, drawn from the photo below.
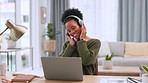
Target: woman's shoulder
(95, 40)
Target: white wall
(100, 17)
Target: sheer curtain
(100, 17)
(57, 9)
(133, 20)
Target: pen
(134, 80)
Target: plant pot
(144, 78)
(107, 64)
(49, 45)
(11, 44)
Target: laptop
(62, 68)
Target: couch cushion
(133, 49)
(135, 61)
(104, 49)
(117, 48)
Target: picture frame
(43, 15)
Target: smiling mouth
(75, 35)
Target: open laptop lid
(62, 68)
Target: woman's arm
(88, 53)
(67, 50)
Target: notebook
(62, 68)
(23, 78)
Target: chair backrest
(96, 64)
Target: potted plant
(50, 44)
(10, 42)
(145, 75)
(107, 62)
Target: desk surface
(87, 79)
(120, 71)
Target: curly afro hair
(69, 12)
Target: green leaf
(50, 31)
(107, 57)
(145, 68)
(111, 56)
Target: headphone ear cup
(80, 22)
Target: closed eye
(72, 28)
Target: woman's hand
(71, 40)
(83, 32)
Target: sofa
(125, 53)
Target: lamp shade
(16, 31)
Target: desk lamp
(16, 31)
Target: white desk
(9, 55)
(87, 79)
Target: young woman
(79, 44)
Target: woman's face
(73, 28)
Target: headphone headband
(73, 16)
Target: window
(7, 11)
(11, 1)
(25, 40)
(19, 14)
(25, 18)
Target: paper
(113, 80)
(37, 73)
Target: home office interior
(120, 25)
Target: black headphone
(80, 22)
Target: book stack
(23, 78)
